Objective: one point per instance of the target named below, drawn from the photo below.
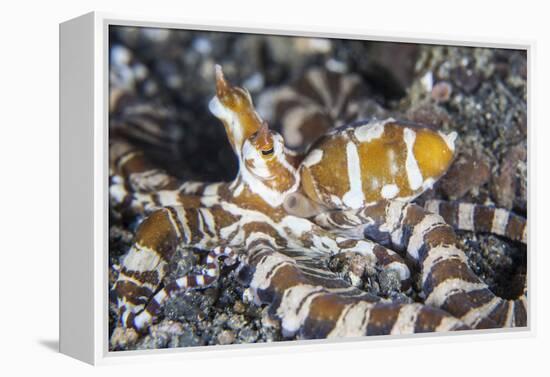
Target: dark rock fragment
(467, 79)
(466, 173)
(428, 114)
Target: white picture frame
(84, 195)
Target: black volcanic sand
(480, 93)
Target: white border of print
(99, 301)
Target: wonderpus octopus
(351, 191)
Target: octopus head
(266, 166)
(234, 107)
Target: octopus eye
(267, 152)
(263, 140)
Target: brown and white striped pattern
(315, 104)
(479, 218)
(153, 121)
(280, 251)
(215, 215)
(312, 306)
(375, 160)
(153, 124)
(202, 215)
(210, 274)
(447, 281)
(137, 186)
(158, 236)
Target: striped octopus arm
(314, 104)
(313, 304)
(137, 185)
(144, 266)
(480, 218)
(446, 279)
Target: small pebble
(123, 338)
(313, 45)
(336, 66)
(226, 337)
(202, 45)
(441, 92)
(389, 281)
(467, 79)
(247, 335)
(120, 55)
(157, 35)
(236, 322)
(239, 307)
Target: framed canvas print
(224, 186)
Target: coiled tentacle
(142, 319)
(157, 238)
